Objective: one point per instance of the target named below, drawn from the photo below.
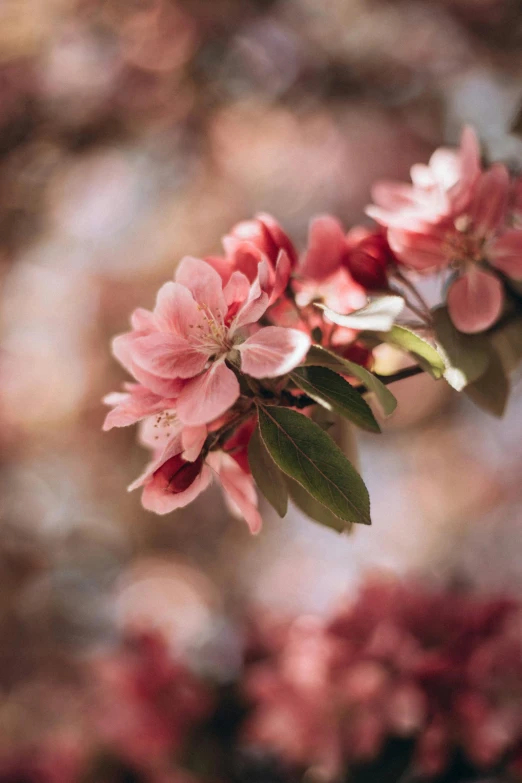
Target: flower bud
(179, 474)
(368, 258)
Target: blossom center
(462, 246)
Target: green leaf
(321, 357)
(312, 508)
(467, 356)
(491, 391)
(334, 393)
(267, 475)
(507, 342)
(307, 454)
(377, 316)
(341, 431)
(426, 355)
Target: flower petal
(170, 449)
(256, 303)
(273, 351)
(205, 285)
(143, 320)
(419, 250)
(176, 311)
(489, 203)
(280, 239)
(157, 498)
(239, 489)
(192, 439)
(123, 350)
(505, 253)
(237, 288)
(326, 247)
(132, 406)
(168, 356)
(475, 301)
(208, 396)
(282, 276)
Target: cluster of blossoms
(141, 707)
(437, 671)
(441, 670)
(231, 335)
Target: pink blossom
(147, 701)
(442, 189)
(441, 668)
(455, 216)
(477, 236)
(249, 243)
(179, 471)
(197, 325)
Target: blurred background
(133, 132)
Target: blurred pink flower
(147, 702)
(441, 668)
(456, 216)
(442, 189)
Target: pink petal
(237, 288)
(422, 176)
(489, 204)
(420, 250)
(475, 301)
(326, 247)
(192, 439)
(157, 498)
(245, 254)
(506, 253)
(123, 350)
(273, 351)
(170, 449)
(278, 236)
(445, 166)
(469, 160)
(208, 396)
(393, 196)
(157, 432)
(239, 487)
(129, 408)
(204, 283)
(143, 320)
(176, 311)
(256, 303)
(168, 356)
(223, 266)
(282, 276)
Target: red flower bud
(368, 258)
(179, 474)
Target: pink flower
(477, 236)
(179, 471)
(249, 243)
(147, 702)
(442, 189)
(197, 325)
(456, 216)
